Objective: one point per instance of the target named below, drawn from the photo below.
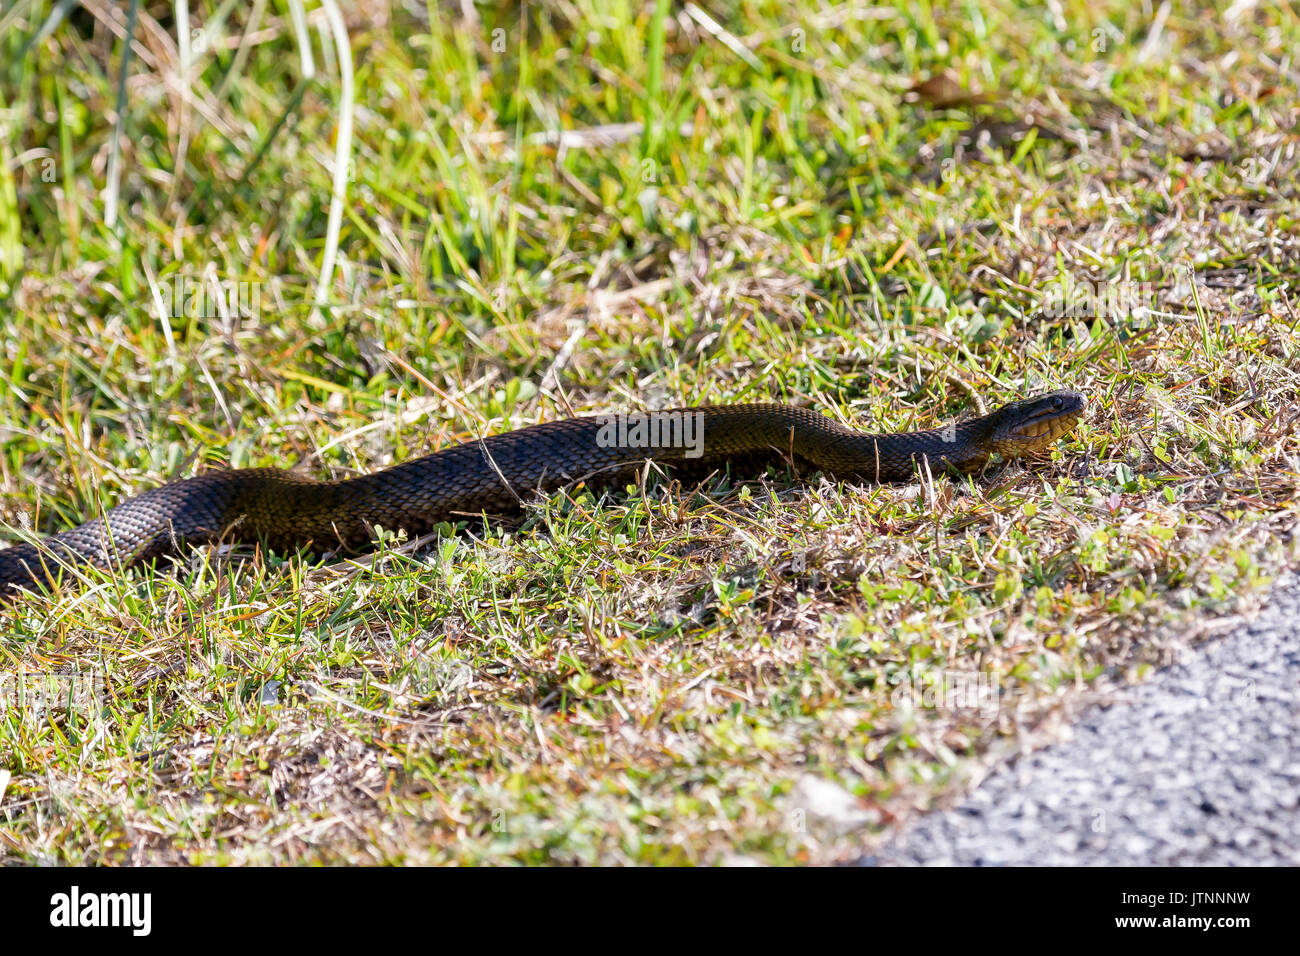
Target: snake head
(1031, 424)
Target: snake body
(286, 510)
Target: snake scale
(285, 510)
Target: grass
(658, 676)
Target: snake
(286, 510)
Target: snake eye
(1058, 402)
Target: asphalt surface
(1198, 766)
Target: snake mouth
(1047, 426)
(1035, 423)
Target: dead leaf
(944, 90)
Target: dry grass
(652, 676)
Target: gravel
(1198, 766)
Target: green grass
(639, 677)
